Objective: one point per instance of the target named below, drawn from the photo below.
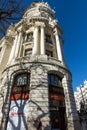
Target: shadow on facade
(17, 120)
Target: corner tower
(35, 81)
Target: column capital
(55, 31)
(19, 30)
(54, 22)
(41, 24)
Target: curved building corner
(36, 84)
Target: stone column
(2, 50)
(13, 50)
(58, 46)
(42, 43)
(35, 35)
(18, 44)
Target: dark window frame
(15, 82)
(54, 80)
(48, 39)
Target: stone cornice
(41, 19)
(41, 24)
(37, 59)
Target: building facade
(81, 96)
(35, 82)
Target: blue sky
(72, 16)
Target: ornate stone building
(35, 82)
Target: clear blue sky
(72, 16)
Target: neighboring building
(81, 96)
(35, 82)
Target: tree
(10, 12)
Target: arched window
(21, 79)
(19, 106)
(56, 92)
(56, 102)
(20, 89)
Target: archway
(18, 111)
(56, 102)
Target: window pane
(48, 38)
(52, 79)
(29, 37)
(55, 80)
(21, 79)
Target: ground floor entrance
(58, 119)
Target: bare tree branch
(10, 11)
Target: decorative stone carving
(41, 24)
(10, 33)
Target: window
(20, 89)
(49, 53)
(28, 52)
(56, 102)
(48, 38)
(29, 37)
(19, 103)
(56, 92)
(55, 80)
(21, 79)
